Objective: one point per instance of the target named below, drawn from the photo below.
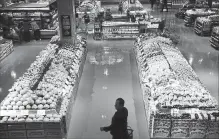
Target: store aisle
(101, 84)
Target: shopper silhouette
(118, 127)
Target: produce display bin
(164, 122)
(6, 48)
(46, 122)
(191, 15)
(215, 38)
(205, 25)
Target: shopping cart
(130, 132)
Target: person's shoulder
(125, 109)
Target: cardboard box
(53, 133)
(35, 133)
(34, 125)
(16, 126)
(17, 134)
(3, 134)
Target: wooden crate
(3, 126)
(3, 134)
(16, 126)
(53, 133)
(52, 125)
(17, 134)
(35, 133)
(34, 125)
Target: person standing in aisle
(120, 9)
(86, 21)
(118, 127)
(164, 4)
(152, 4)
(210, 3)
(26, 28)
(36, 29)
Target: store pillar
(67, 22)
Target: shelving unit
(6, 47)
(191, 16)
(120, 30)
(205, 28)
(215, 37)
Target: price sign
(66, 25)
(24, 112)
(41, 112)
(7, 112)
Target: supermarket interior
(64, 63)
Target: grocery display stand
(179, 121)
(191, 17)
(6, 47)
(204, 25)
(215, 38)
(38, 128)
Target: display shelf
(204, 25)
(155, 58)
(191, 15)
(47, 122)
(6, 47)
(215, 38)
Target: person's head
(119, 103)
(32, 19)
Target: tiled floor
(101, 84)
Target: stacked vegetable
(137, 6)
(20, 95)
(170, 79)
(54, 90)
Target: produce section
(204, 25)
(177, 104)
(91, 7)
(6, 47)
(46, 18)
(215, 37)
(41, 101)
(191, 15)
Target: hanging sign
(66, 25)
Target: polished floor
(110, 72)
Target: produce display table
(215, 37)
(177, 104)
(6, 47)
(191, 15)
(44, 111)
(188, 6)
(91, 7)
(204, 25)
(137, 6)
